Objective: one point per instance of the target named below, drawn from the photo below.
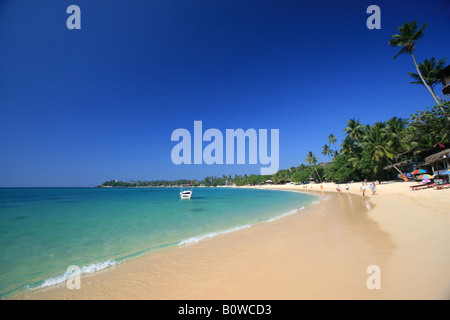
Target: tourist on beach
(347, 187)
(338, 189)
(363, 188)
(374, 189)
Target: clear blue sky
(78, 107)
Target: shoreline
(321, 252)
(418, 223)
(55, 282)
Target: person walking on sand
(374, 189)
(363, 188)
(347, 187)
(338, 189)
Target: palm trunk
(436, 95)
(398, 169)
(423, 80)
(428, 87)
(394, 165)
(318, 175)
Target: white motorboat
(186, 194)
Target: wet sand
(321, 252)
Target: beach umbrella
(424, 176)
(446, 172)
(419, 171)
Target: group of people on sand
(338, 189)
(371, 186)
(363, 187)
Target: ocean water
(45, 230)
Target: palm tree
(326, 151)
(378, 145)
(354, 130)
(407, 39)
(332, 140)
(281, 176)
(396, 134)
(429, 70)
(312, 161)
(349, 146)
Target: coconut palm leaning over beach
(407, 39)
(429, 70)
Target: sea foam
(285, 214)
(94, 267)
(214, 234)
(211, 235)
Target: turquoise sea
(45, 230)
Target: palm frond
(419, 33)
(407, 37)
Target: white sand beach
(321, 252)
